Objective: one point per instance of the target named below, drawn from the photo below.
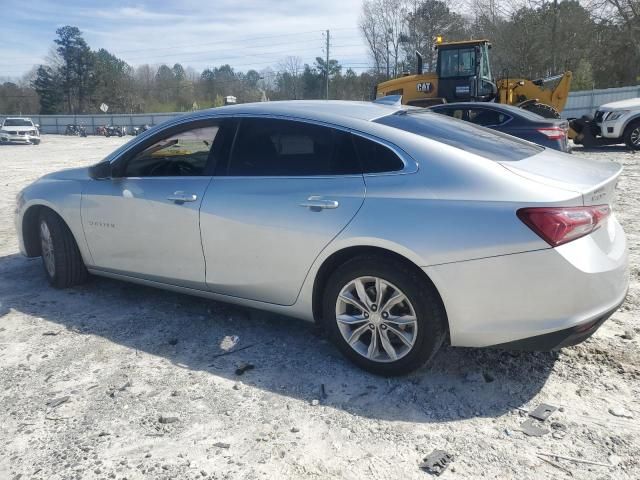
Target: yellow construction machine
(463, 73)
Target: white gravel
(126, 355)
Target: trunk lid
(594, 180)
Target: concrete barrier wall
(587, 102)
(578, 104)
(57, 124)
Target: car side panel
(259, 240)
(63, 197)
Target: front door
(289, 188)
(144, 222)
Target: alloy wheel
(635, 136)
(376, 319)
(46, 242)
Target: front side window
(451, 112)
(181, 154)
(457, 62)
(274, 147)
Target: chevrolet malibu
(394, 228)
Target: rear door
(288, 189)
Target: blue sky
(244, 33)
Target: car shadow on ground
(604, 149)
(291, 357)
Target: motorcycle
(75, 130)
(113, 130)
(138, 130)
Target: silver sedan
(394, 228)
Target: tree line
(77, 80)
(599, 40)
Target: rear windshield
(17, 122)
(466, 136)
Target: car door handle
(181, 197)
(315, 202)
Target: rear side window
(483, 116)
(375, 157)
(466, 136)
(451, 112)
(274, 147)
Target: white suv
(620, 121)
(19, 130)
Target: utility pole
(327, 67)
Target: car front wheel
(61, 258)
(383, 315)
(632, 135)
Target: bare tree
(290, 82)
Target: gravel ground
(113, 380)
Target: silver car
(394, 228)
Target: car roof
(311, 109)
(17, 118)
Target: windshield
(17, 122)
(457, 62)
(463, 135)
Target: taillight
(558, 225)
(553, 133)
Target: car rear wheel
(383, 315)
(61, 258)
(632, 135)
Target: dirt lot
(113, 380)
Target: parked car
(19, 130)
(395, 228)
(75, 130)
(515, 121)
(613, 123)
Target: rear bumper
(560, 339)
(555, 296)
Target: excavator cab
(464, 72)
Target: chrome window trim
(410, 165)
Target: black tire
(631, 133)
(542, 109)
(68, 267)
(430, 313)
(36, 142)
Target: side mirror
(100, 171)
(37, 125)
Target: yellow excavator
(463, 74)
